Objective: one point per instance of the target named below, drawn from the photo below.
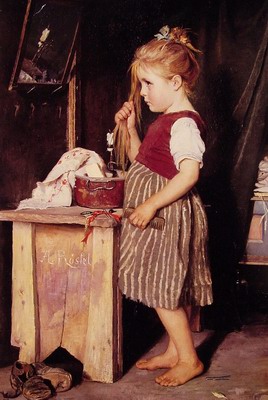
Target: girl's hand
(142, 215)
(126, 113)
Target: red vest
(154, 151)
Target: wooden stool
(64, 292)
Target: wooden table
(64, 292)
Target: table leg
(24, 330)
(103, 353)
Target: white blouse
(186, 141)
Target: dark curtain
(234, 98)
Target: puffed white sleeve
(186, 141)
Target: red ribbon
(93, 216)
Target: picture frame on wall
(47, 45)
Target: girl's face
(159, 93)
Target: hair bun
(178, 35)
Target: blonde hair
(168, 57)
(170, 53)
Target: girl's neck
(182, 103)
(185, 106)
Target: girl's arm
(134, 144)
(175, 188)
(127, 115)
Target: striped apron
(165, 268)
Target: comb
(156, 222)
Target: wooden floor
(236, 367)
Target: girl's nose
(142, 91)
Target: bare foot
(161, 361)
(181, 373)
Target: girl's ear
(177, 82)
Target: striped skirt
(165, 268)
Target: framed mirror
(47, 45)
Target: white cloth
(262, 181)
(186, 141)
(56, 189)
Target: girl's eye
(147, 83)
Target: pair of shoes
(37, 381)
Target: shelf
(259, 198)
(254, 260)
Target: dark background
(231, 96)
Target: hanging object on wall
(47, 45)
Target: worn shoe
(60, 379)
(20, 373)
(36, 388)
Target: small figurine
(110, 147)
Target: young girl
(166, 269)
